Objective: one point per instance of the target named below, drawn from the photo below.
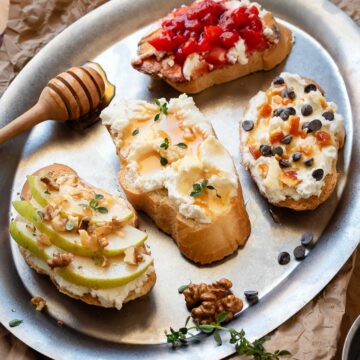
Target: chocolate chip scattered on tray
(307, 238)
(328, 115)
(247, 125)
(299, 252)
(251, 295)
(284, 258)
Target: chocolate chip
(265, 150)
(284, 258)
(306, 110)
(290, 110)
(299, 252)
(284, 163)
(247, 125)
(307, 238)
(318, 174)
(309, 162)
(328, 115)
(251, 295)
(305, 125)
(286, 139)
(314, 125)
(278, 81)
(310, 87)
(277, 112)
(284, 115)
(289, 93)
(296, 156)
(277, 150)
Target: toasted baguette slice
(219, 63)
(93, 296)
(194, 194)
(299, 133)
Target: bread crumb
(39, 303)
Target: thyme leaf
(198, 188)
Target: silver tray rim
(332, 246)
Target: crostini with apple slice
(290, 138)
(174, 168)
(211, 42)
(83, 238)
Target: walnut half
(206, 302)
(60, 260)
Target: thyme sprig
(94, 204)
(198, 188)
(242, 346)
(163, 109)
(165, 144)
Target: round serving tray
(109, 35)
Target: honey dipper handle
(32, 117)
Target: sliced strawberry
(217, 56)
(163, 42)
(212, 33)
(229, 38)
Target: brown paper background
(318, 330)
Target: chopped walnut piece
(43, 240)
(60, 260)
(51, 184)
(103, 242)
(133, 256)
(84, 223)
(58, 223)
(39, 302)
(206, 302)
(48, 213)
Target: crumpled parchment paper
(316, 332)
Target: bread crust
(330, 180)
(87, 298)
(258, 60)
(201, 243)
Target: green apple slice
(118, 242)
(82, 271)
(118, 210)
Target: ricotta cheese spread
(177, 151)
(113, 297)
(290, 136)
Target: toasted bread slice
(290, 137)
(195, 195)
(219, 63)
(127, 292)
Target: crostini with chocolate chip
(211, 42)
(290, 136)
(83, 238)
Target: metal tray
(325, 50)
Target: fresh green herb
(242, 346)
(15, 322)
(40, 214)
(69, 225)
(135, 132)
(165, 144)
(163, 109)
(47, 192)
(182, 145)
(182, 288)
(163, 161)
(94, 204)
(198, 188)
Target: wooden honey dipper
(68, 96)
